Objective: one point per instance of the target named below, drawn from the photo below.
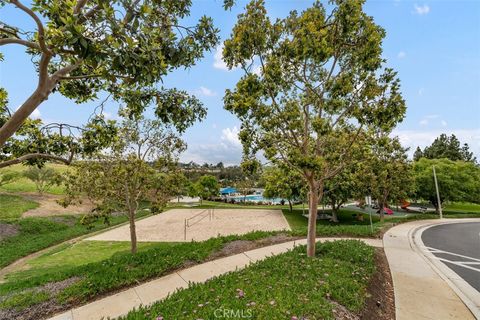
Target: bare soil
(380, 304)
(48, 206)
(8, 230)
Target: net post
(185, 230)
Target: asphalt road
(457, 245)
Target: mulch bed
(380, 303)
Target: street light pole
(439, 204)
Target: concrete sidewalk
(420, 292)
(121, 303)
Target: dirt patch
(69, 221)
(278, 238)
(380, 303)
(239, 246)
(48, 206)
(42, 309)
(8, 230)
(233, 247)
(342, 313)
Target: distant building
(227, 191)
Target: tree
(8, 177)
(342, 187)
(448, 147)
(283, 183)
(318, 82)
(83, 48)
(417, 154)
(118, 180)
(457, 181)
(43, 177)
(387, 172)
(112, 184)
(207, 187)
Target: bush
(43, 177)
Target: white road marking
(435, 250)
(464, 264)
(459, 263)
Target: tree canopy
(84, 49)
(313, 81)
(457, 180)
(447, 147)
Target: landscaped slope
(287, 286)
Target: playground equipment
(196, 219)
(407, 207)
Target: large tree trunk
(290, 205)
(25, 110)
(133, 232)
(381, 204)
(312, 220)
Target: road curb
(467, 294)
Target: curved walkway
(149, 292)
(421, 290)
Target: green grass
(348, 225)
(23, 184)
(281, 287)
(120, 270)
(39, 233)
(69, 256)
(12, 206)
(463, 207)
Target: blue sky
(434, 46)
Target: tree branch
(41, 30)
(36, 156)
(78, 7)
(22, 42)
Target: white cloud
(218, 62)
(421, 91)
(413, 138)
(432, 116)
(257, 70)
(421, 10)
(36, 114)
(204, 91)
(444, 123)
(228, 149)
(401, 55)
(423, 122)
(230, 136)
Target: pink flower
(240, 293)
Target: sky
(434, 46)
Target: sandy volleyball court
(169, 226)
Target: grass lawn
(25, 185)
(102, 276)
(35, 234)
(287, 286)
(12, 206)
(348, 225)
(70, 256)
(463, 207)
